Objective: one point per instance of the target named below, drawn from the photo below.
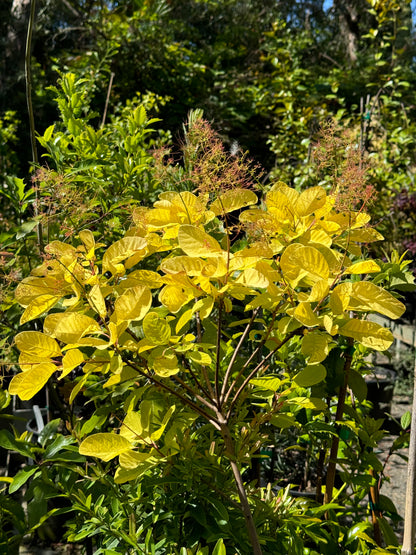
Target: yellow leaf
(298, 262)
(367, 235)
(132, 459)
(120, 250)
(305, 315)
(369, 334)
(363, 267)
(186, 264)
(88, 240)
(340, 298)
(315, 346)
(71, 360)
(310, 200)
(253, 278)
(28, 360)
(233, 199)
(319, 291)
(165, 365)
(368, 296)
(58, 248)
(26, 384)
(195, 242)
(38, 306)
(126, 373)
(200, 357)
(104, 446)
(133, 304)
(156, 329)
(184, 319)
(96, 300)
(37, 343)
(69, 327)
(174, 298)
(146, 278)
(204, 307)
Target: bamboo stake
(410, 506)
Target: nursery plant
(221, 316)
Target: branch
(236, 351)
(259, 366)
(28, 76)
(184, 400)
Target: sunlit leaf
(195, 242)
(38, 306)
(69, 327)
(120, 250)
(71, 360)
(310, 200)
(368, 296)
(174, 298)
(368, 334)
(305, 315)
(26, 384)
(363, 267)
(156, 329)
(165, 365)
(104, 446)
(133, 304)
(233, 199)
(37, 343)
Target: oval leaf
(104, 446)
(310, 375)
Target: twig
(28, 76)
(107, 100)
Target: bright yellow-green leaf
(298, 261)
(195, 242)
(96, 300)
(340, 298)
(165, 365)
(146, 278)
(133, 304)
(28, 360)
(199, 357)
(270, 383)
(26, 384)
(120, 250)
(315, 346)
(204, 307)
(233, 199)
(311, 375)
(37, 343)
(363, 267)
(71, 360)
(304, 314)
(132, 459)
(368, 296)
(38, 306)
(174, 298)
(88, 240)
(69, 327)
(104, 446)
(367, 235)
(132, 428)
(313, 403)
(310, 200)
(253, 278)
(184, 319)
(126, 373)
(156, 329)
(319, 291)
(369, 334)
(186, 264)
